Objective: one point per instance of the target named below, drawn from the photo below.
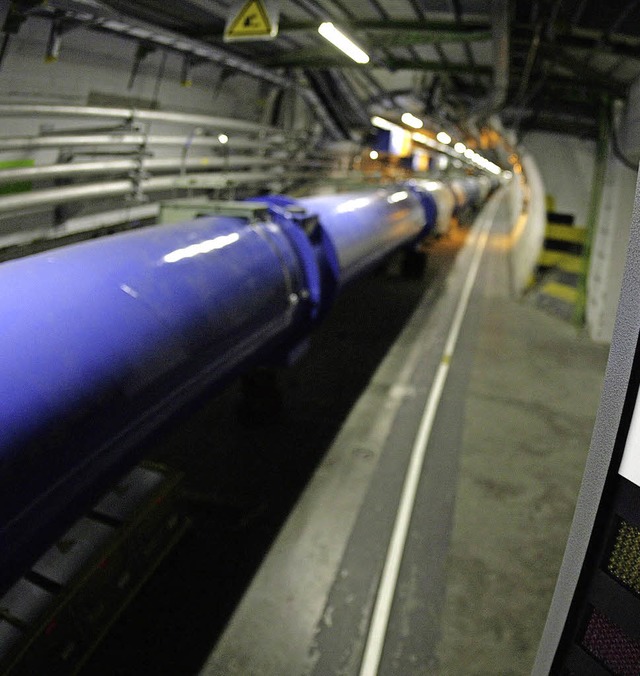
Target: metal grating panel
(624, 562)
(608, 643)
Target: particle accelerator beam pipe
(106, 340)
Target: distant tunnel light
(342, 42)
(412, 121)
(374, 155)
(459, 147)
(381, 123)
(443, 137)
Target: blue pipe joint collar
(314, 249)
(429, 206)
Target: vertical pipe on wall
(595, 201)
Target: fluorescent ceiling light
(443, 137)
(412, 121)
(459, 147)
(381, 123)
(342, 42)
(468, 153)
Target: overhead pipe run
(346, 90)
(81, 169)
(500, 60)
(48, 197)
(128, 139)
(132, 116)
(110, 338)
(98, 16)
(136, 215)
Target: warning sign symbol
(251, 19)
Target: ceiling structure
(547, 64)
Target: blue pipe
(366, 227)
(106, 340)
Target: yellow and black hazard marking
(561, 265)
(250, 20)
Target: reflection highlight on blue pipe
(201, 248)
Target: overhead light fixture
(443, 137)
(468, 153)
(374, 155)
(459, 147)
(223, 138)
(381, 123)
(342, 42)
(412, 121)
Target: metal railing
(108, 172)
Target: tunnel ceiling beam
(400, 33)
(573, 87)
(577, 67)
(322, 57)
(623, 46)
(556, 122)
(588, 40)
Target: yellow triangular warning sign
(250, 22)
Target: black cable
(3, 48)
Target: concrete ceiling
(547, 64)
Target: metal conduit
(133, 115)
(500, 48)
(55, 171)
(198, 181)
(65, 140)
(73, 226)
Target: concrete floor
(495, 501)
(533, 393)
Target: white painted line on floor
(389, 579)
